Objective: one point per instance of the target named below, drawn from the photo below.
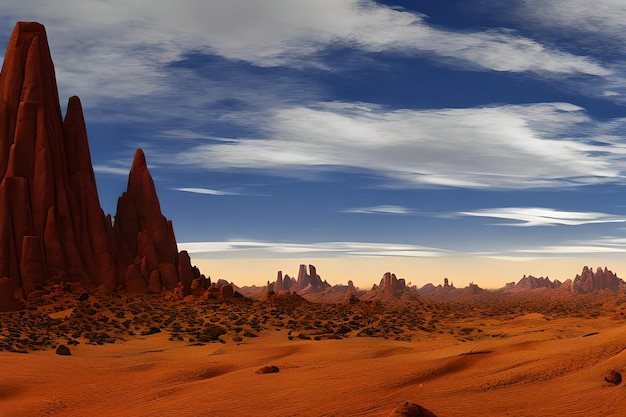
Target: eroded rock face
(589, 281)
(530, 283)
(145, 239)
(306, 282)
(7, 299)
(391, 283)
(52, 228)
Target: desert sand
(478, 357)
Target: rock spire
(52, 227)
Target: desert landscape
(525, 353)
(107, 317)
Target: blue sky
(292, 130)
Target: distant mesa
(52, 228)
(530, 283)
(305, 283)
(602, 279)
(586, 282)
(390, 283)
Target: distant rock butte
(305, 283)
(52, 227)
(389, 282)
(530, 283)
(589, 281)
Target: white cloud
(262, 249)
(528, 146)
(592, 248)
(595, 29)
(539, 216)
(599, 16)
(118, 49)
(190, 134)
(206, 191)
(107, 169)
(572, 250)
(384, 209)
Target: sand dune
(540, 368)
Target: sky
(477, 140)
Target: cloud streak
(107, 169)
(205, 191)
(384, 209)
(117, 49)
(263, 249)
(511, 146)
(539, 216)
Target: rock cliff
(52, 228)
(389, 282)
(530, 283)
(306, 282)
(589, 281)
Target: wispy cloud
(189, 134)
(539, 216)
(539, 145)
(590, 248)
(572, 250)
(384, 209)
(116, 49)
(206, 191)
(107, 169)
(253, 249)
(601, 16)
(603, 245)
(596, 29)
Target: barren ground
(475, 358)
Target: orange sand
(538, 367)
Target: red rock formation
(278, 285)
(389, 282)
(530, 283)
(7, 300)
(144, 238)
(587, 281)
(307, 282)
(303, 279)
(222, 292)
(52, 227)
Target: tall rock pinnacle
(51, 223)
(145, 238)
(52, 227)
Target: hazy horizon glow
(487, 272)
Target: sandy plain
(478, 357)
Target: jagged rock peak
(306, 282)
(530, 283)
(52, 227)
(602, 279)
(145, 239)
(390, 282)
